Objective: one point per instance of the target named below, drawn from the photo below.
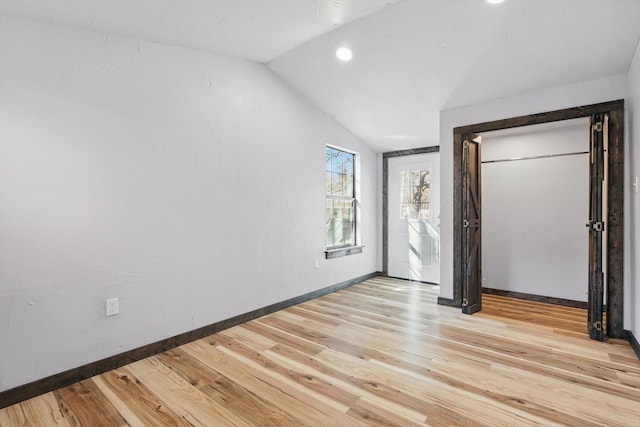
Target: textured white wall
(534, 238)
(632, 279)
(189, 185)
(590, 92)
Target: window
(340, 198)
(416, 194)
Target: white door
(414, 217)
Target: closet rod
(544, 156)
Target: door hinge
(595, 226)
(465, 223)
(597, 127)
(465, 302)
(597, 326)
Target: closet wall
(535, 208)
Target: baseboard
(536, 298)
(628, 335)
(63, 379)
(448, 302)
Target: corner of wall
(632, 205)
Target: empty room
(319, 212)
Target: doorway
(604, 266)
(535, 201)
(411, 214)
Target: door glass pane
(416, 193)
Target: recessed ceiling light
(495, 1)
(344, 54)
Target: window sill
(340, 252)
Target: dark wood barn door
(596, 225)
(472, 278)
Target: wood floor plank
(285, 337)
(331, 407)
(43, 411)
(256, 380)
(84, 404)
(456, 396)
(187, 401)
(583, 407)
(251, 408)
(401, 404)
(375, 415)
(330, 321)
(336, 396)
(380, 353)
(4, 416)
(137, 403)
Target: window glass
(340, 198)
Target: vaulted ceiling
(412, 58)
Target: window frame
(339, 250)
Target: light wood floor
(378, 353)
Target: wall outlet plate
(112, 307)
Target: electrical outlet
(316, 263)
(112, 306)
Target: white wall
(534, 211)
(189, 185)
(591, 92)
(632, 288)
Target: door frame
(385, 196)
(615, 198)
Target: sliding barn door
(596, 226)
(472, 275)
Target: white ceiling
(258, 30)
(412, 58)
(416, 58)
